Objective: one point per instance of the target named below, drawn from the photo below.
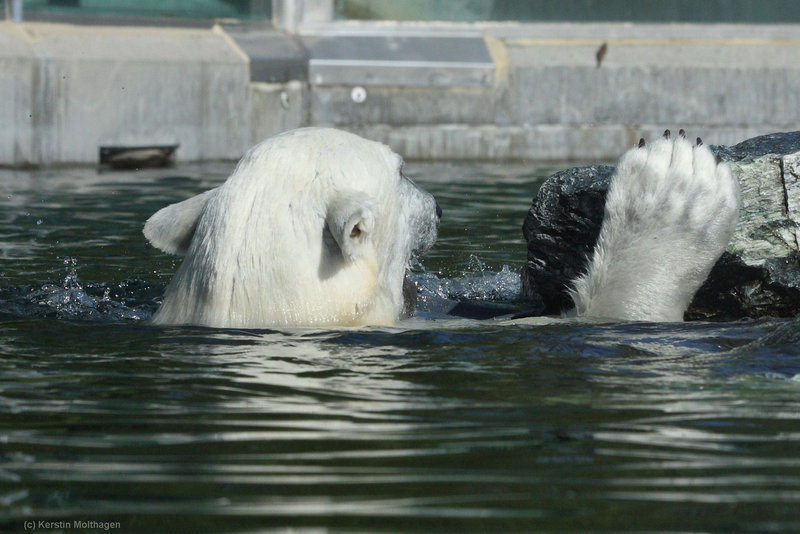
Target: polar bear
(670, 211)
(314, 227)
(317, 227)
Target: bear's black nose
(438, 211)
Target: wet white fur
(669, 214)
(314, 227)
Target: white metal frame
(14, 11)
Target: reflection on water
(440, 424)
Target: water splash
(476, 282)
(477, 292)
(72, 299)
(69, 297)
(134, 300)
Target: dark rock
(758, 275)
(777, 143)
(735, 289)
(561, 229)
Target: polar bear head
(314, 227)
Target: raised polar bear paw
(670, 211)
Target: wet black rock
(777, 143)
(758, 275)
(561, 229)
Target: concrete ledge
(535, 92)
(556, 143)
(430, 59)
(550, 99)
(75, 88)
(275, 56)
(277, 107)
(16, 96)
(605, 31)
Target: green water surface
(437, 425)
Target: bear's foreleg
(670, 211)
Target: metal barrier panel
(190, 9)
(693, 11)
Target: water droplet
(38, 222)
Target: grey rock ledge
(759, 273)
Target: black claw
(719, 159)
(699, 142)
(682, 133)
(641, 142)
(667, 134)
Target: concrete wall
(536, 91)
(65, 90)
(550, 100)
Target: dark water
(437, 425)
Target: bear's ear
(171, 229)
(351, 221)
